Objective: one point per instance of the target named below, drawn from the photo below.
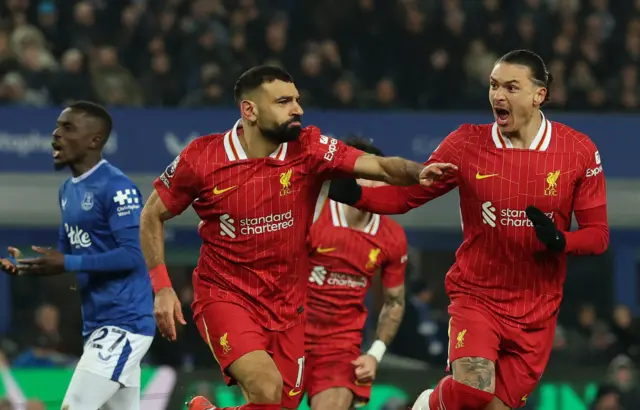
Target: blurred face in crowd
(48, 318)
(514, 96)
(276, 111)
(622, 316)
(75, 135)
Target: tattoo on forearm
(391, 314)
(476, 372)
(402, 172)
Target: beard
(283, 132)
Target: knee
(332, 399)
(264, 387)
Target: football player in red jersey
(257, 189)
(347, 248)
(520, 180)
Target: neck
(255, 144)
(523, 137)
(84, 165)
(356, 218)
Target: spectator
(590, 338)
(623, 375)
(627, 332)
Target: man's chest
(519, 178)
(345, 249)
(81, 214)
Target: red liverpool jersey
(255, 215)
(501, 264)
(343, 262)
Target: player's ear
(249, 110)
(539, 96)
(96, 141)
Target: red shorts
(325, 370)
(231, 332)
(520, 355)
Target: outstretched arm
(389, 200)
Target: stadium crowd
(343, 53)
(346, 54)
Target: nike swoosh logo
(480, 176)
(325, 250)
(294, 393)
(217, 191)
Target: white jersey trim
(233, 147)
(540, 142)
(339, 219)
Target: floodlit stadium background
(402, 72)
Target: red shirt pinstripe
(501, 265)
(344, 261)
(255, 217)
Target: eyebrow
(287, 98)
(506, 82)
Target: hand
(51, 262)
(366, 366)
(434, 172)
(8, 265)
(167, 310)
(546, 230)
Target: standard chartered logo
(507, 217)
(255, 226)
(488, 214)
(226, 226)
(319, 276)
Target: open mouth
(57, 149)
(502, 116)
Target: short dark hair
(97, 111)
(363, 144)
(256, 76)
(539, 73)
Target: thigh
(334, 398)
(127, 398)
(287, 349)
(523, 358)
(332, 370)
(472, 333)
(88, 391)
(474, 342)
(115, 354)
(231, 332)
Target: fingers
(166, 325)
(15, 252)
(178, 314)
(40, 249)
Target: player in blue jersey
(99, 241)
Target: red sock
(254, 406)
(452, 395)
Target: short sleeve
(591, 190)
(178, 185)
(393, 272)
(124, 204)
(331, 157)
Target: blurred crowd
(344, 54)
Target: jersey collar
(233, 147)
(340, 219)
(87, 174)
(540, 142)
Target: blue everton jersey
(98, 208)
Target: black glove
(346, 191)
(546, 230)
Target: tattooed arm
(476, 372)
(391, 314)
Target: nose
(297, 109)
